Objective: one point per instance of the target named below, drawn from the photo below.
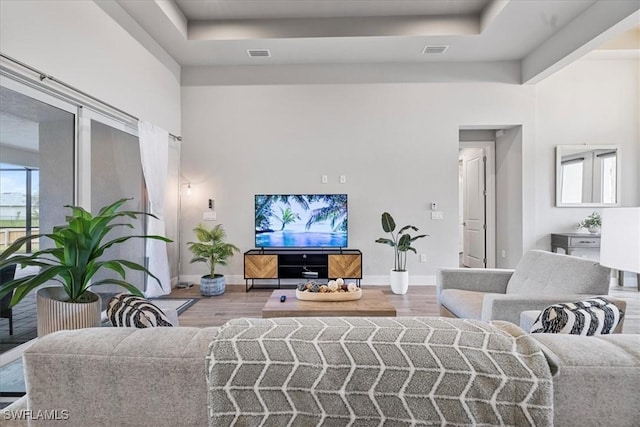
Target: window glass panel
(572, 182)
(609, 174)
(36, 141)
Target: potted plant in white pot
(593, 223)
(212, 250)
(73, 261)
(401, 244)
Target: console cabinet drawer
(584, 242)
(345, 266)
(261, 266)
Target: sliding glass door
(116, 173)
(37, 139)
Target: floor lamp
(620, 241)
(181, 285)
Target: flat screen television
(301, 220)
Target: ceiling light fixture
(434, 49)
(259, 53)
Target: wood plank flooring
(235, 302)
(419, 301)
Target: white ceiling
(268, 9)
(537, 34)
(20, 117)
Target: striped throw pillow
(595, 316)
(132, 311)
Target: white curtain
(154, 152)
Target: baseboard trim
(370, 280)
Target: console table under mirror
(569, 242)
(587, 175)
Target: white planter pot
(399, 282)
(594, 230)
(56, 314)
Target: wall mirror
(587, 175)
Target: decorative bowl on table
(335, 290)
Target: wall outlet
(423, 257)
(209, 216)
(503, 253)
(324, 179)
(437, 215)
(343, 179)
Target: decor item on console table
(593, 223)
(301, 263)
(401, 244)
(211, 249)
(621, 241)
(335, 290)
(571, 241)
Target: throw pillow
(133, 311)
(594, 316)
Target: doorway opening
(477, 200)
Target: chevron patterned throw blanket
(376, 371)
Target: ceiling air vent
(259, 53)
(434, 49)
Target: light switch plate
(209, 216)
(324, 179)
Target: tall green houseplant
(76, 256)
(400, 241)
(212, 250)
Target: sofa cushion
(593, 316)
(464, 304)
(596, 380)
(547, 273)
(130, 310)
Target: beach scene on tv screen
(313, 220)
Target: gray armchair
(539, 280)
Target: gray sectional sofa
(156, 377)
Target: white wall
(78, 43)
(592, 101)
(509, 197)
(396, 143)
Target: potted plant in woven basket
(74, 259)
(212, 250)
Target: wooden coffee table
(372, 303)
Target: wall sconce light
(188, 192)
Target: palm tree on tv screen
(335, 211)
(264, 207)
(287, 217)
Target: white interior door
(474, 208)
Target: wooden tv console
(303, 264)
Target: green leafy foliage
(593, 220)
(76, 256)
(401, 242)
(211, 247)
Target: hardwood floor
(419, 301)
(235, 302)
